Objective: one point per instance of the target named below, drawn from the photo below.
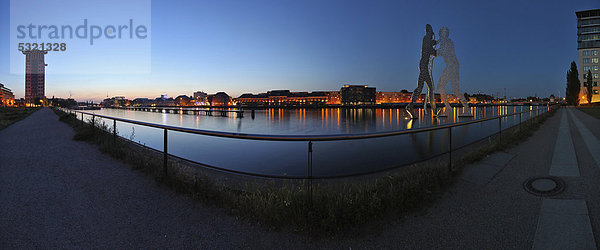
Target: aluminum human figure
(450, 73)
(427, 54)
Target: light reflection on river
(329, 158)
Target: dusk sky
(255, 46)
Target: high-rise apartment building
(588, 48)
(35, 76)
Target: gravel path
(60, 193)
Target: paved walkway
(51, 197)
(564, 160)
(59, 193)
(565, 223)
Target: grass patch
(329, 207)
(510, 138)
(591, 110)
(10, 115)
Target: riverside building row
(347, 95)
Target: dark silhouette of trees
(573, 85)
(38, 101)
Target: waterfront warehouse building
(283, 98)
(7, 98)
(358, 95)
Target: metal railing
(309, 139)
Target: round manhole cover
(544, 186)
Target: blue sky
(255, 46)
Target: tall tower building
(35, 76)
(588, 48)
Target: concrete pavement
(564, 160)
(489, 208)
(565, 223)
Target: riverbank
(341, 208)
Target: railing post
(114, 131)
(520, 116)
(310, 198)
(165, 154)
(94, 126)
(499, 129)
(531, 117)
(450, 149)
(82, 119)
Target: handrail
(301, 137)
(310, 140)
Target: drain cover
(544, 186)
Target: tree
(37, 101)
(589, 86)
(573, 85)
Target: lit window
(589, 37)
(595, 75)
(594, 52)
(595, 60)
(595, 67)
(595, 92)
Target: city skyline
(241, 48)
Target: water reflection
(311, 121)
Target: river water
(329, 158)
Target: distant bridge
(209, 112)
